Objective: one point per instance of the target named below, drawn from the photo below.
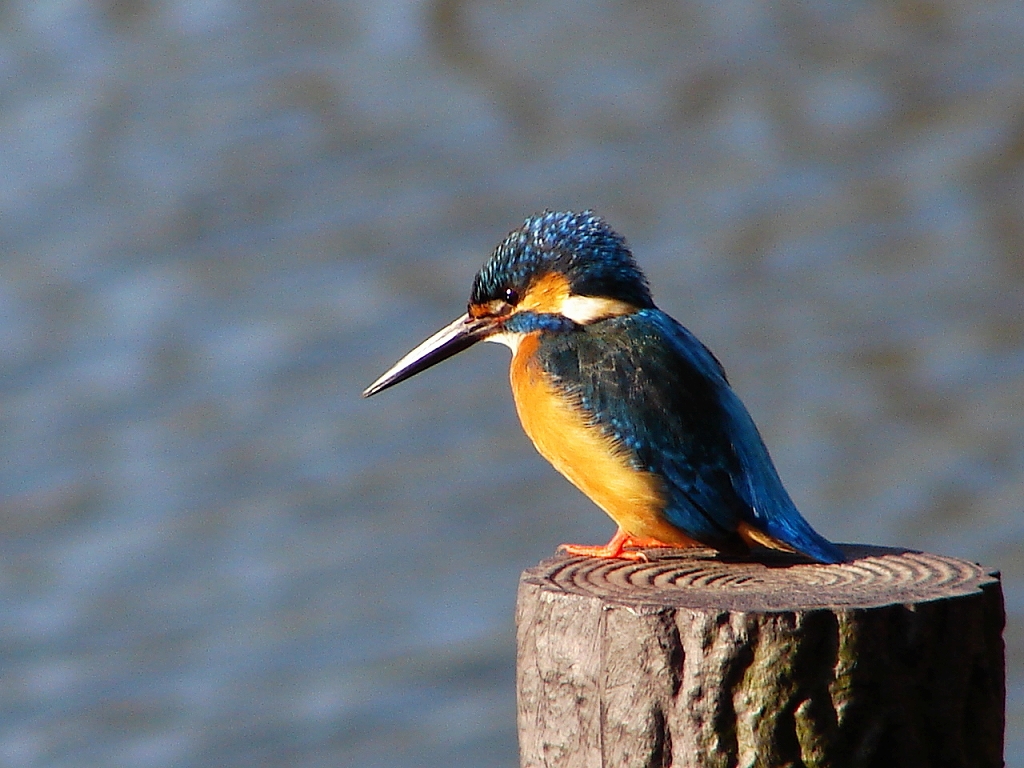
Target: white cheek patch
(590, 309)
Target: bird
(620, 398)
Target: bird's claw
(609, 551)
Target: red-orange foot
(615, 548)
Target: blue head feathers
(581, 246)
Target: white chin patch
(590, 309)
(510, 340)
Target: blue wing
(651, 384)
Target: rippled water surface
(221, 220)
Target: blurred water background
(222, 219)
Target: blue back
(663, 396)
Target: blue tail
(760, 486)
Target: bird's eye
(511, 296)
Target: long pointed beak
(450, 340)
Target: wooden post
(892, 659)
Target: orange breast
(565, 435)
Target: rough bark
(892, 659)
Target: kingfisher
(620, 398)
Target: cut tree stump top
(704, 579)
(701, 660)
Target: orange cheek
(546, 294)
